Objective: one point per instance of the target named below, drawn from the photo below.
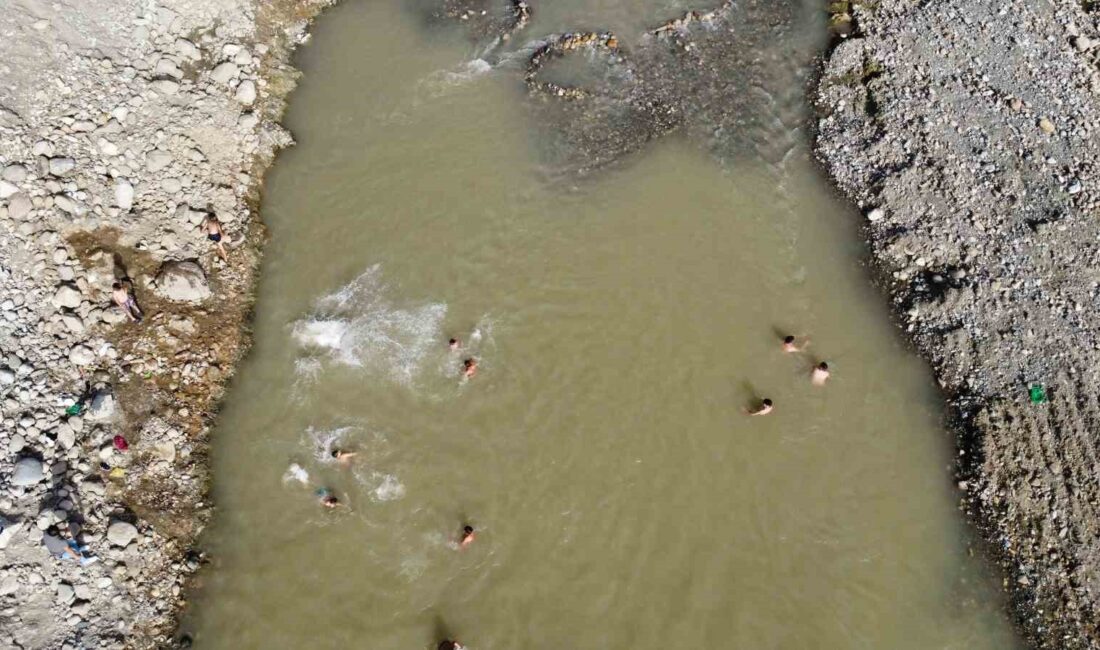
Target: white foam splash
(358, 326)
(389, 489)
(324, 441)
(296, 473)
(440, 82)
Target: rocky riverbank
(967, 132)
(123, 125)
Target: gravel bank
(123, 125)
(968, 133)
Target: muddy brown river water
(622, 320)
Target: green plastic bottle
(1037, 393)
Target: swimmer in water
(327, 499)
(343, 456)
(763, 408)
(790, 345)
(453, 345)
(448, 644)
(467, 536)
(469, 368)
(820, 374)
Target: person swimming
(763, 408)
(820, 374)
(448, 644)
(342, 456)
(467, 536)
(327, 499)
(469, 367)
(453, 345)
(791, 345)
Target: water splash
(296, 473)
(358, 326)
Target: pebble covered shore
(123, 125)
(968, 133)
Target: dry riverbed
(968, 133)
(124, 124)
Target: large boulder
(121, 533)
(101, 407)
(28, 471)
(182, 281)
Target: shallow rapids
(622, 321)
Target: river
(623, 316)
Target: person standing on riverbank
(214, 233)
(124, 298)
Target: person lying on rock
(214, 233)
(59, 547)
(124, 298)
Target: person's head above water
(467, 530)
(447, 644)
(788, 339)
(329, 501)
(452, 342)
(766, 402)
(822, 366)
(116, 285)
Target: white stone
(187, 49)
(66, 436)
(183, 281)
(65, 593)
(224, 72)
(246, 92)
(166, 86)
(121, 533)
(66, 203)
(101, 408)
(19, 206)
(14, 173)
(876, 214)
(157, 160)
(28, 471)
(166, 451)
(67, 296)
(81, 355)
(107, 148)
(7, 376)
(168, 67)
(61, 166)
(73, 323)
(7, 189)
(124, 194)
